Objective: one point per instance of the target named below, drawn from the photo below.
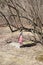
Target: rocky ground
(10, 55)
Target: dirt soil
(9, 55)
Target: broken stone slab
(18, 45)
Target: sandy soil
(9, 55)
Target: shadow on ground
(28, 45)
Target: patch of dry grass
(39, 58)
